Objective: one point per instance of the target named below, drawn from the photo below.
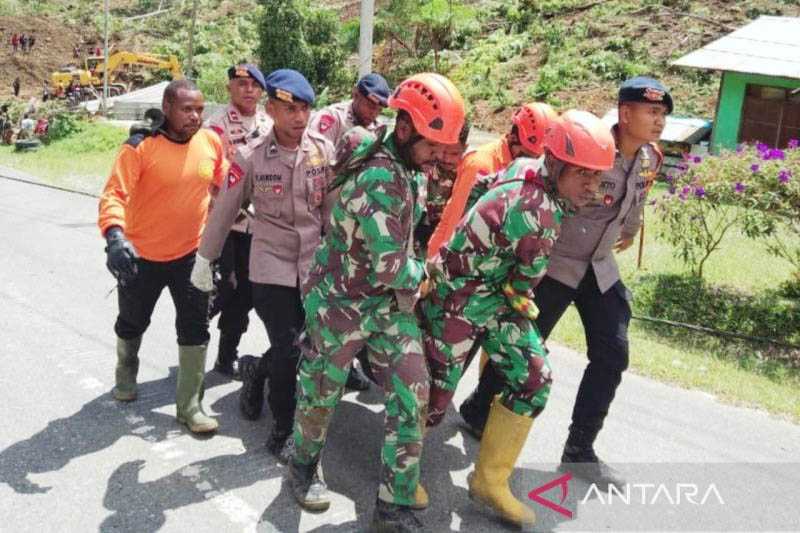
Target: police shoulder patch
(234, 175)
(326, 121)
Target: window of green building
(770, 115)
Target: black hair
(171, 92)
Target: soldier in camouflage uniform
(583, 271)
(362, 290)
(241, 125)
(483, 291)
(369, 97)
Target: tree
(293, 34)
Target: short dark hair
(171, 92)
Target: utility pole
(365, 37)
(105, 61)
(189, 67)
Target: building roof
(768, 46)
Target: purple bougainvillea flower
(784, 176)
(686, 190)
(794, 143)
(672, 189)
(682, 167)
(739, 187)
(761, 147)
(754, 168)
(670, 178)
(777, 154)
(700, 192)
(697, 159)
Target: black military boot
(308, 487)
(251, 395)
(279, 442)
(356, 379)
(580, 459)
(475, 409)
(227, 355)
(392, 518)
(474, 420)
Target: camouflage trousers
(338, 329)
(458, 315)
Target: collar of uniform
(619, 157)
(233, 114)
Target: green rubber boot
(191, 373)
(127, 368)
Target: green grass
(82, 161)
(694, 360)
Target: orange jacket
(158, 192)
(486, 159)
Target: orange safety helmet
(531, 121)
(434, 104)
(581, 139)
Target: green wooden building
(759, 96)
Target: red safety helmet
(434, 104)
(581, 139)
(531, 121)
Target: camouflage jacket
(368, 249)
(440, 188)
(506, 237)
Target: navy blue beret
(644, 89)
(376, 86)
(247, 71)
(289, 85)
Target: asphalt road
(72, 459)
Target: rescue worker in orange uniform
(152, 212)
(525, 139)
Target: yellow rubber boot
(421, 500)
(501, 445)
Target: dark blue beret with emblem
(644, 89)
(290, 86)
(374, 87)
(247, 71)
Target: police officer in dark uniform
(583, 271)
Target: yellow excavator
(124, 72)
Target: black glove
(121, 256)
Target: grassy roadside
(81, 161)
(693, 360)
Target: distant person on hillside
(15, 85)
(31, 42)
(26, 127)
(76, 51)
(45, 91)
(23, 43)
(14, 43)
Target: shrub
(754, 189)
